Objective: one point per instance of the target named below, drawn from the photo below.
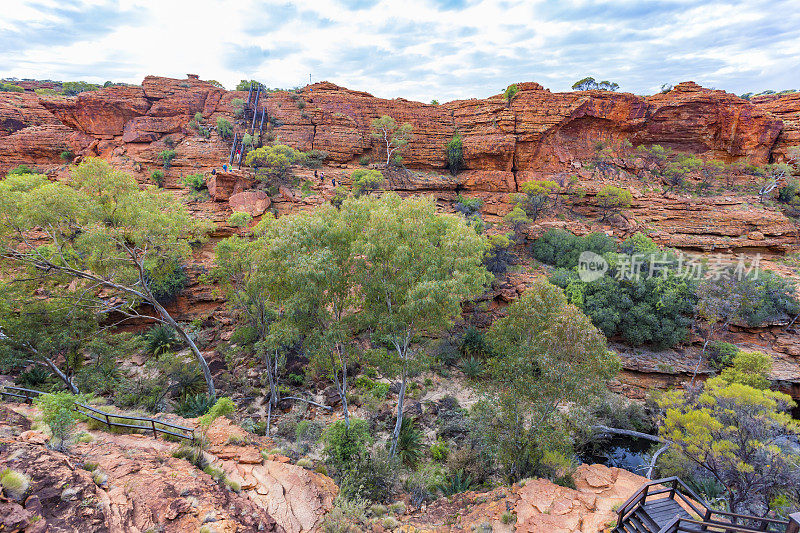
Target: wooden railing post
(108, 422)
(155, 433)
(794, 523)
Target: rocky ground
(132, 483)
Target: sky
(415, 49)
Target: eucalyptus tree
(98, 234)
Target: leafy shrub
(456, 483)
(33, 378)
(273, 161)
(468, 206)
(10, 88)
(455, 154)
(196, 182)
(510, 92)
(721, 354)
(371, 477)
(73, 88)
(67, 155)
(238, 107)
(364, 161)
(314, 158)
(158, 177)
(224, 128)
(439, 451)
(561, 248)
(20, 170)
(409, 442)
(498, 257)
(161, 339)
(240, 219)
(308, 431)
(194, 405)
(58, 412)
(166, 280)
(473, 343)
(612, 199)
(365, 181)
(166, 157)
(344, 446)
(472, 367)
(15, 484)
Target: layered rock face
(537, 132)
(787, 108)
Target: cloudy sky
(416, 49)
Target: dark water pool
(622, 452)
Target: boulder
(254, 203)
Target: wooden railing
(708, 519)
(110, 419)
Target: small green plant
(439, 451)
(397, 508)
(455, 154)
(67, 155)
(390, 523)
(305, 462)
(456, 483)
(90, 466)
(472, 367)
(21, 169)
(161, 339)
(158, 177)
(238, 107)
(721, 355)
(510, 92)
(364, 161)
(365, 181)
(100, 479)
(195, 182)
(224, 128)
(308, 431)
(84, 438)
(378, 510)
(58, 412)
(166, 157)
(15, 484)
(240, 219)
(409, 442)
(194, 405)
(508, 518)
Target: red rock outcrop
(787, 108)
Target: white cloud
(441, 49)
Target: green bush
(439, 451)
(224, 128)
(161, 339)
(343, 447)
(194, 405)
(365, 181)
(510, 92)
(455, 154)
(721, 355)
(73, 88)
(560, 248)
(58, 412)
(166, 157)
(10, 88)
(364, 161)
(371, 477)
(240, 219)
(20, 170)
(273, 161)
(314, 158)
(158, 177)
(409, 442)
(472, 367)
(473, 343)
(166, 280)
(67, 155)
(238, 107)
(308, 431)
(195, 182)
(455, 483)
(15, 484)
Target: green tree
(392, 136)
(611, 200)
(366, 181)
(510, 92)
(166, 157)
(224, 128)
(417, 268)
(244, 85)
(273, 161)
(548, 354)
(537, 197)
(733, 431)
(73, 88)
(101, 231)
(58, 412)
(455, 154)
